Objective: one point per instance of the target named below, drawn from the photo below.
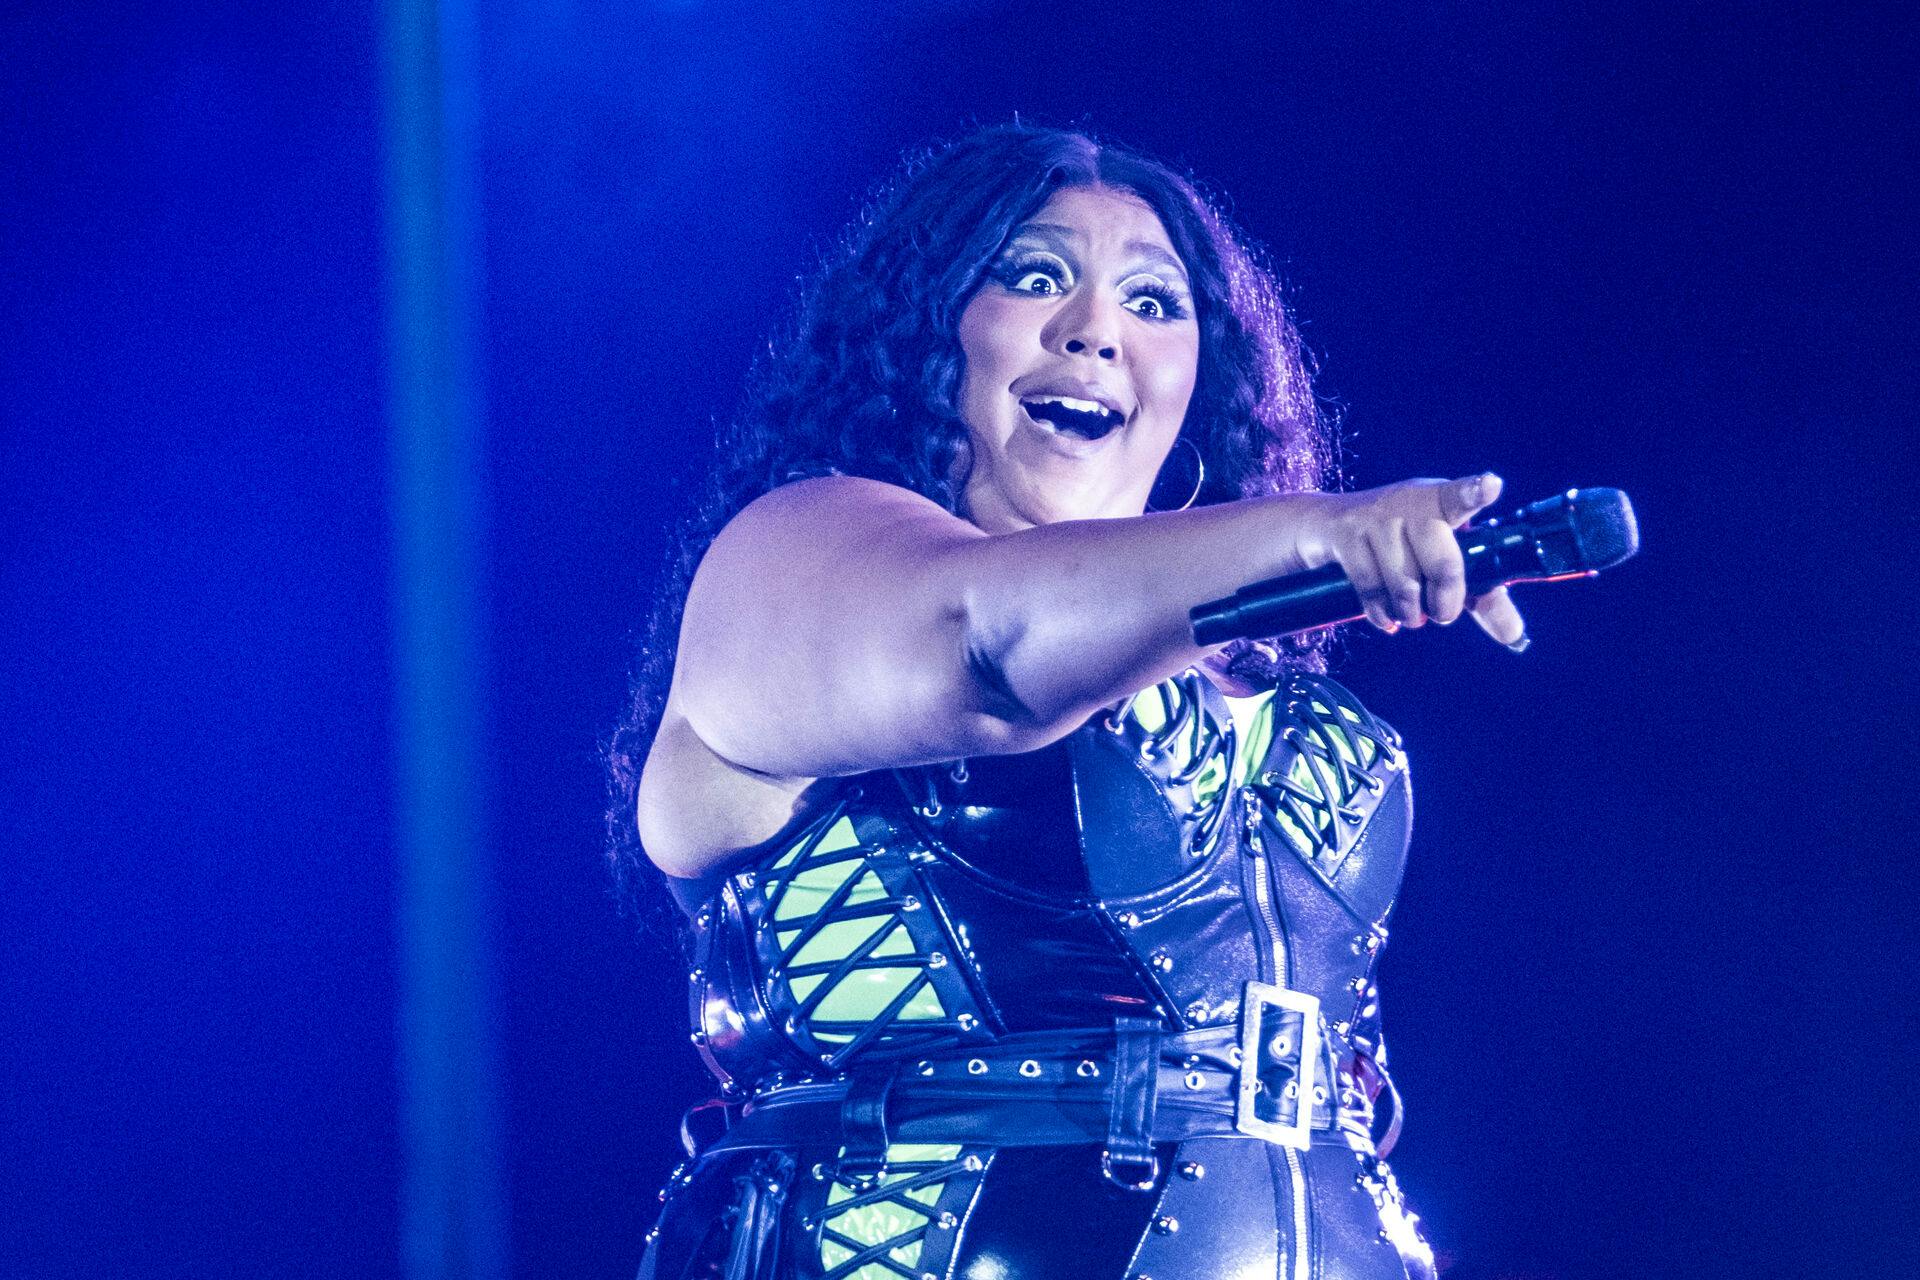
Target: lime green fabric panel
(1208, 784)
(880, 1222)
(812, 887)
(1354, 748)
(1259, 734)
(838, 939)
(1151, 708)
(839, 836)
(864, 995)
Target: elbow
(1003, 719)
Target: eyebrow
(1057, 236)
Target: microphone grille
(1603, 527)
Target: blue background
(1650, 984)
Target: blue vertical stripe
(453, 1217)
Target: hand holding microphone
(1393, 556)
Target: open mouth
(1070, 416)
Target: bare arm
(839, 625)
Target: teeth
(1078, 406)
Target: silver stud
(972, 1164)
(747, 879)
(1358, 986)
(1192, 1170)
(694, 975)
(976, 1066)
(924, 1067)
(1030, 1069)
(773, 1187)
(1129, 919)
(1161, 961)
(946, 1221)
(1342, 1027)
(1166, 1224)
(698, 1037)
(910, 903)
(967, 1021)
(937, 960)
(818, 1173)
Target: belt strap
(863, 1122)
(1132, 1097)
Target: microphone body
(1573, 535)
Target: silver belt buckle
(1279, 1045)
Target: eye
(1155, 300)
(1041, 275)
(1040, 282)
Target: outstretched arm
(839, 625)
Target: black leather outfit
(994, 1019)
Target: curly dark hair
(865, 379)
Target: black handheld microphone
(1573, 535)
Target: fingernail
(1521, 645)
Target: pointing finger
(1497, 617)
(1460, 499)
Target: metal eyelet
(1088, 1069)
(976, 1066)
(1030, 1069)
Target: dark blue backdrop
(1649, 988)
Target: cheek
(986, 337)
(1174, 374)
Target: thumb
(1461, 499)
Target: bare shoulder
(780, 678)
(802, 522)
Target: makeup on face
(1081, 350)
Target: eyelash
(1011, 271)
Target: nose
(1087, 325)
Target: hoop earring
(1199, 479)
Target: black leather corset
(1146, 866)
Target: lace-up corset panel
(1146, 866)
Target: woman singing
(1029, 939)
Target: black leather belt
(1126, 1088)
